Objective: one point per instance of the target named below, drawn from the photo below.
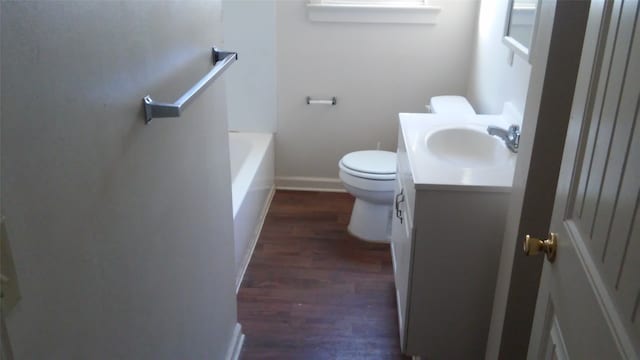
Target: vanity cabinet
(446, 241)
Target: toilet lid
(371, 162)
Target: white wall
(121, 232)
(493, 81)
(374, 70)
(250, 29)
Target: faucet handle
(514, 135)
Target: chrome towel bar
(153, 109)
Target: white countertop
(431, 172)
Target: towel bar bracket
(153, 109)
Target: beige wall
(250, 30)
(374, 70)
(495, 79)
(121, 231)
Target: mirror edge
(516, 47)
(512, 43)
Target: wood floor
(312, 291)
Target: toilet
(370, 175)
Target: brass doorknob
(533, 246)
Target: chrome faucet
(511, 136)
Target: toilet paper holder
(331, 101)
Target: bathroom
(129, 235)
(281, 47)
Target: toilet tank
(451, 104)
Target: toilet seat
(376, 165)
(364, 183)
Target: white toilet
(370, 177)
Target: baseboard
(254, 240)
(309, 183)
(235, 346)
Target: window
(372, 2)
(373, 11)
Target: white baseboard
(309, 183)
(235, 346)
(254, 240)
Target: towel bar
(153, 109)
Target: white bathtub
(252, 187)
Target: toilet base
(371, 222)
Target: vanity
(451, 194)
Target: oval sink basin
(467, 146)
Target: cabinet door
(405, 179)
(401, 253)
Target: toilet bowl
(370, 177)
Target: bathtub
(252, 188)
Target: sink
(467, 146)
(446, 152)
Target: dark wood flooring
(312, 291)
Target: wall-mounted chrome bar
(331, 102)
(153, 109)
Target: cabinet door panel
(403, 174)
(401, 244)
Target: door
(121, 232)
(587, 306)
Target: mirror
(519, 27)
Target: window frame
(373, 11)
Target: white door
(588, 301)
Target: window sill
(373, 13)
